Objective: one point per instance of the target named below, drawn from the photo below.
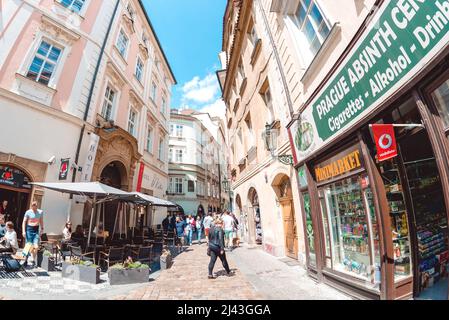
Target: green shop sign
(400, 40)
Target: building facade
(82, 83)
(376, 221)
(258, 111)
(197, 162)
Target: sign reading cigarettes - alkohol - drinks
(401, 39)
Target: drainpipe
(278, 59)
(92, 88)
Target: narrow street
(257, 276)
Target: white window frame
(29, 57)
(161, 149)
(303, 46)
(179, 130)
(140, 72)
(107, 100)
(134, 123)
(153, 94)
(269, 104)
(45, 60)
(170, 154)
(179, 155)
(164, 104)
(83, 10)
(149, 142)
(125, 54)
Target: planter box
(130, 276)
(80, 273)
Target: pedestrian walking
(207, 223)
(188, 229)
(228, 222)
(172, 225)
(166, 223)
(216, 248)
(199, 228)
(32, 229)
(235, 236)
(180, 224)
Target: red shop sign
(139, 178)
(385, 141)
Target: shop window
(44, 63)
(441, 98)
(348, 227)
(309, 229)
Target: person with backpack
(216, 248)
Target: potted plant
(128, 272)
(46, 260)
(80, 270)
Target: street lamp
(271, 145)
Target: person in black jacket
(216, 247)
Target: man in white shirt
(228, 223)
(207, 223)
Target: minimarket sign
(401, 39)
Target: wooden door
(291, 238)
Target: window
(241, 72)
(170, 155)
(179, 154)
(164, 105)
(179, 131)
(150, 140)
(441, 98)
(74, 5)
(253, 37)
(153, 91)
(139, 69)
(130, 10)
(44, 63)
(208, 189)
(122, 43)
(145, 39)
(176, 185)
(161, 149)
(132, 121)
(172, 130)
(312, 25)
(108, 104)
(190, 186)
(266, 95)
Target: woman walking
(190, 225)
(199, 228)
(32, 229)
(216, 247)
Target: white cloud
(216, 109)
(201, 91)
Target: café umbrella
(96, 192)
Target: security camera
(51, 160)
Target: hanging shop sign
(86, 173)
(13, 177)
(385, 140)
(400, 40)
(339, 165)
(64, 169)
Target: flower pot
(80, 273)
(128, 276)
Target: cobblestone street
(257, 276)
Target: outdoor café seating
(111, 256)
(143, 254)
(77, 253)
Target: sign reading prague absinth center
(401, 39)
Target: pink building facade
(84, 96)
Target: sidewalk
(258, 275)
(276, 280)
(187, 279)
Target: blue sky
(190, 32)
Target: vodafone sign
(385, 141)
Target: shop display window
(399, 220)
(441, 98)
(348, 228)
(309, 229)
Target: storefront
(378, 229)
